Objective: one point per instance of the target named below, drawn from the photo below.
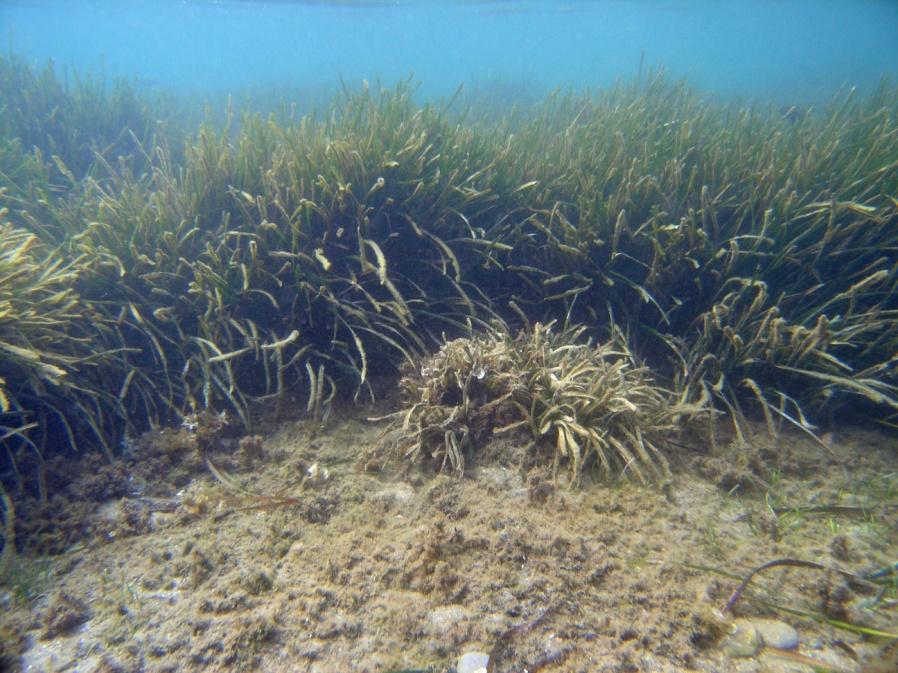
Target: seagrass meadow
(740, 260)
(374, 386)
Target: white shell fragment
(472, 662)
(317, 473)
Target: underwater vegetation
(77, 119)
(591, 403)
(748, 256)
(47, 341)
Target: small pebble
(747, 637)
(777, 634)
(472, 662)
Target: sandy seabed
(307, 561)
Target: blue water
(791, 52)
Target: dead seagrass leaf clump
(582, 403)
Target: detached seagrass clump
(592, 403)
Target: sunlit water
(791, 52)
